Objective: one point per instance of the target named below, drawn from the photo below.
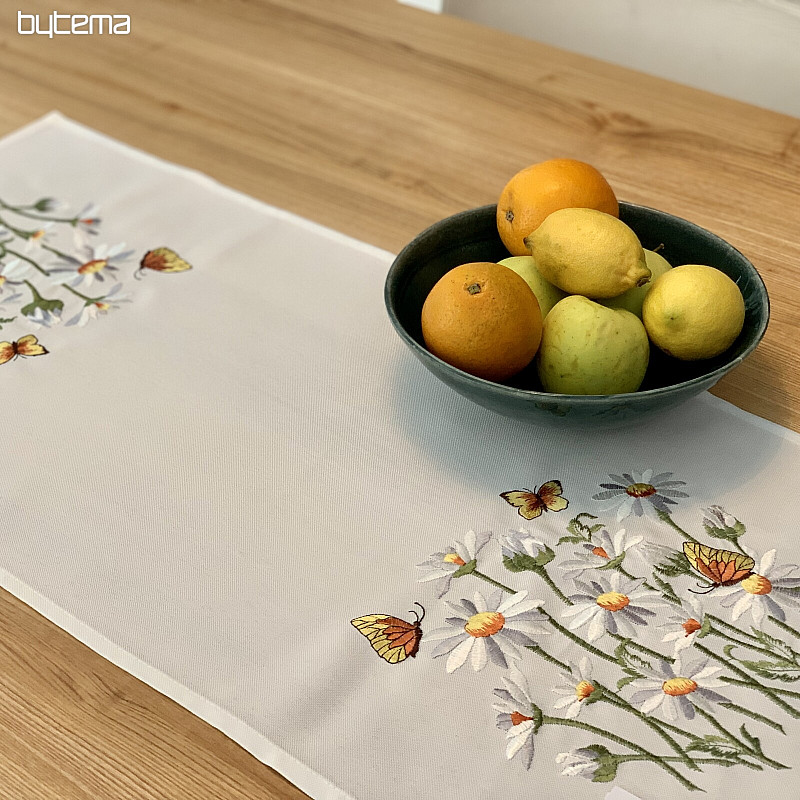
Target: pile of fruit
(578, 294)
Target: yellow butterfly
(719, 567)
(392, 638)
(162, 259)
(25, 346)
(531, 504)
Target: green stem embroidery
(57, 252)
(25, 258)
(749, 684)
(616, 700)
(486, 578)
(641, 648)
(753, 715)
(784, 626)
(22, 211)
(82, 296)
(748, 680)
(770, 653)
(542, 653)
(736, 741)
(543, 573)
(665, 516)
(722, 623)
(613, 737)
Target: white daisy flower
(764, 592)
(103, 305)
(616, 605)
(13, 271)
(641, 494)
(717, 517)
(443, 565)
(37, 238)
(599, 551)
(514, 716)
(575, 687)
(522, 545)
(88, 219)
(581, 762)
(684, 624)
(44, 318)
(676, 689)
(492, 629)
(90, 264)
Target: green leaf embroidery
(729, 534)
(614, 562)
(675, 565)
(522, 562)
(466, 569)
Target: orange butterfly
(24, 346)
(531, 504)
(393, 639)
(162, 259)
(719, 567)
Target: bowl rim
(708, 379)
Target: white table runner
(211, 472)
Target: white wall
(745, 49)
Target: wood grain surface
(375, 119)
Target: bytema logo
(75, 24)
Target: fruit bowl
(472, 236)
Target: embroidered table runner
(227, 475)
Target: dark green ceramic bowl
(472, 236)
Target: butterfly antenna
(707, 590)
(413, 611)
(138, 274)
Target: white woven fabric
(209, 482)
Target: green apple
(547, 294)
(588, 348)
(632, 299)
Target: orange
(548, 186)
(484, 319)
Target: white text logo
(77, 24)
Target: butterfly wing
(162, 259)
(393, 639)
(550, 495)
(721, 567)
(29, 346)
(7, 351)
(526, 502)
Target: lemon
(633, 299)
(588, 252)
(693, 312)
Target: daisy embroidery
(581, 762)
(575, 688)
(682, 626)
(618, 605)
(35, 240)
(765, 592)
(91, 264)
(521, 548)
(676, 689)
(514, 716)
(443, 566)
(12, 272)
(640, 494)
(492, 629)
(88, 220)
(102, 305)
(600, 551)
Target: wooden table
(375, 119)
